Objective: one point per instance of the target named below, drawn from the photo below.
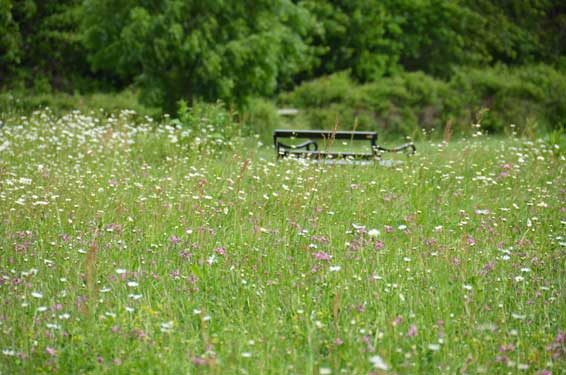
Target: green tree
(10, 41)
(511, 31)
(178, 49)
(40, 44)
(357, 35)
(376, 38)
(373, 38)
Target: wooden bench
(309, 148)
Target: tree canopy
(232, 50)
(210, 50)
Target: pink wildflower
(322, 256)
(220, 250)
(412, 330)
(199, 361)
(176, 274)
(398, 320)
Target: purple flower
(501, 359)
(220, 250)
(412, 332)
(199, 361)
(322, 256)
(398, 320)
(176, 274)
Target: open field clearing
(136, 249)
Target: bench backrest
(325, 134)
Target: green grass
(123, 250)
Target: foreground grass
(123, 252)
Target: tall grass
(134, 249)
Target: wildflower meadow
(129, 246)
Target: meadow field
(128, 247)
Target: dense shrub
(25, 102)
(518, 96)
(260, 119)
(410, 102)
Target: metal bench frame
(310, 149)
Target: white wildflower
(434, 347)
(378, 363)
(9, 352)
(166, 326)
(374, 233)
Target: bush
(24, 102)
(415, 103)
(520, 96)
(260, 118)
(335, 88)
(392, 105)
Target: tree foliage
(210, 50)
(233, 50)
(377, 38)
(40, 43)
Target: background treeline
(391, 64)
